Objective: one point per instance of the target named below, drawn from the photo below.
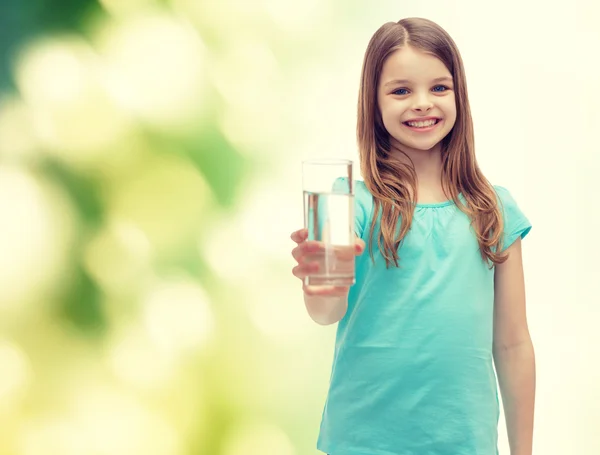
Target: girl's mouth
(422, 125)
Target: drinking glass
(329, 218)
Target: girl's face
(416, 100)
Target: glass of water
(329, 218)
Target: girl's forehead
(410, 63)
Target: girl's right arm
(325, 304)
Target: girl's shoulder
(363, 204)
(516, 223)
(502, 191)
(360, 188)
(361, 192)
(505, 197)
(363, 196)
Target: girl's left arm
(513, 351)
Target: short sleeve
(516, 223)
(362, 205)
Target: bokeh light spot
(156, 64)
(178, 316)
(35, 234)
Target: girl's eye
(400, 91)
(440, 88)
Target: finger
(342, 253)
(359, 246)
(326, 291)
(304, 248)
(299, 236)
(303, 270)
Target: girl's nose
(422, 103)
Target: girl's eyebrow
(406, 81)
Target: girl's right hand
(304, 268)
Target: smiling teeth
(422, 124)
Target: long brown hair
(392, 182)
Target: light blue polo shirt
(412, 370)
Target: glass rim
(327, 161)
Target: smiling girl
(439, 301)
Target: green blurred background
(149, 181)
(143, 309)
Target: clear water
(329, 218)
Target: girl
(439, 300)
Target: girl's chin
(406, 144)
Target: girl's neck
(427, 163)
(428, 167)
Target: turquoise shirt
(412, 370)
